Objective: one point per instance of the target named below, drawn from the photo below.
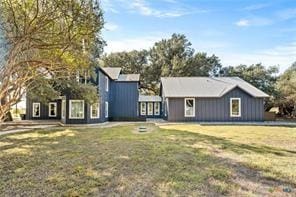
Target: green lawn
(170, 160)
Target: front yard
(167, 160)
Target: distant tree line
(175, 57)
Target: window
(95, 110)
(156, 109)
(52, 110)
(76, 109)
(36, 110)
(235, 107)
(106, 109)
(107, 83)
(143, 109)
(189, 107)
(150, 109)
(166, 105)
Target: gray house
(181, 99)
(211, 99)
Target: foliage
(130, 62)
(54, 88)
(287, 87)
(173, 57)
(257, 75)
(46, 38)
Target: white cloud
(108, 6)
(130, 44)
(283, 56)
(287, 14)
(111, 26)
(243, 23)
(255, 7)
(254, 21)
(142, 7)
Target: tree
(175, 57)
(130, 62)
(46, 39)
(287, 87)
(257, 75)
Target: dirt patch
(144, 129)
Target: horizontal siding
(218, 109)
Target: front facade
(181, 99)
(118, 100)
(209, 99)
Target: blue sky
(237, 31)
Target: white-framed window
(36, 110)
(52, 109)
(95, 110)
(166, 106)
(106, 83)
(76, 109)
(143, 108)
(150, 109)
(189, 107)
(156, 108)
(106, 109)
(235, 107)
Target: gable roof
(112, 72)
(206, 86)
(128, 77)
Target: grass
(167, 161)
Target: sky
(237, 31)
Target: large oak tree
(46, 39)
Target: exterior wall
(124, 100)
(218, 109)
(44, 113)
(150, 116)
(103, 97)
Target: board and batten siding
(124, 100)
(218, 109)
(44, 110)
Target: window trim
(158, 111)
(185, 115)
(49, 109)
(33, 114)
(70, 107)
(106, 84)
(143, 114)
(98, 109)
(151, 104)
(106, 109)
(239, 107)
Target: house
(211, 99)
(181, 99)
(118, 100)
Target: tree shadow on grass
(240, 148)
(84, 164)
